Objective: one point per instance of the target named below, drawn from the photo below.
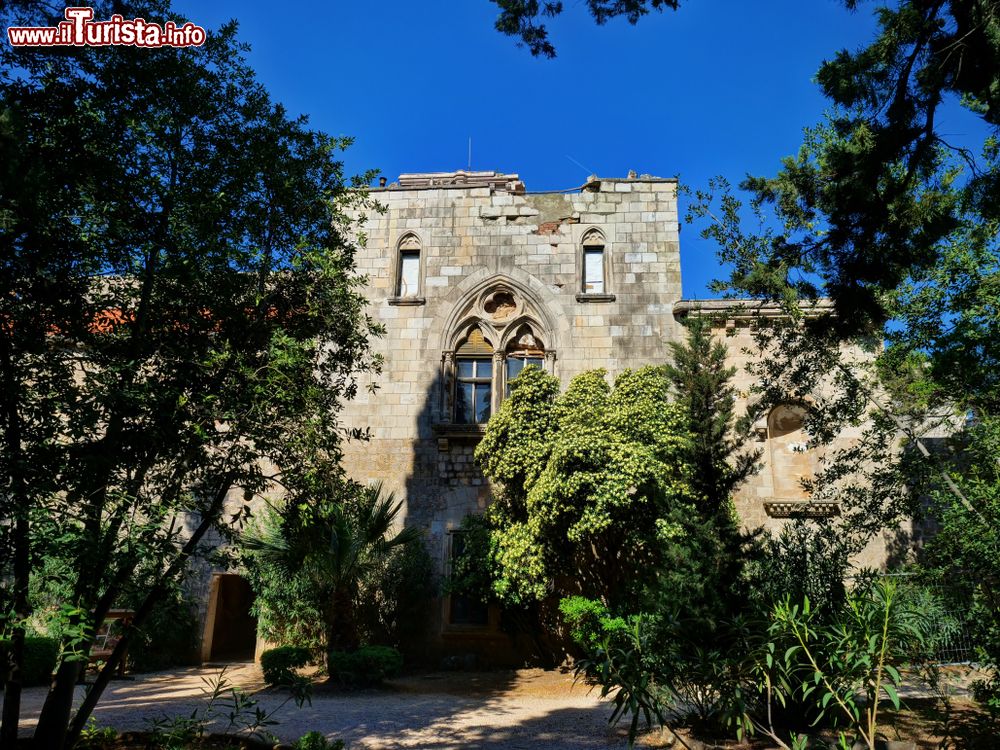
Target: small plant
(316, 741)
(369, 665)
(224, 702)
(834, 665)
(279, 665)
(94, 736)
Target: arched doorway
(230, 628)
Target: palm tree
(335, 542)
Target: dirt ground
(528, 708)
(438, 711)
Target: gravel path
(442, 711)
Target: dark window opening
(464, 609)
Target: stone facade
(473, 277)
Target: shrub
(394, 605)
(167, 638)
(40, 655)
(279, 664)
(316, 741)
(369, 665)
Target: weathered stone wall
(475, 238)
(787, 456)
(500, 267)
(471, 237)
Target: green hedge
(279, 664)
(369, 665)
(40, 655)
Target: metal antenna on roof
(588, 171)
(470, 153)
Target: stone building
(474, 277)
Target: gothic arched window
(792, 460)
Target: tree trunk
(341, 626)
(12, 688)
(21, 505)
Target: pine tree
(702, 386)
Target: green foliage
(369, 665)
(591, 624)
(332, 540)
(94, 737)
(224, 708)
(316, 741)
(40, 656)
(168, 638)
(701, 380)
(279, 664)
(520, 18)
(396, 598)
(591, 493)
(965, 553)
(857, 654)
(181, 313)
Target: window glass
(474, 391)
(409, 273)
(593, 270)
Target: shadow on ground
(527, 708)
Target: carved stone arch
(474, 299)
(593, 237)
(514, 329)
(474, 323)
(409, 241)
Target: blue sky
(721, 87)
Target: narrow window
(408, 281)
(593, 270)
(463, 608)
(594, 275)
(474, 391)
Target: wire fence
(948, 610)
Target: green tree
(702, 384)
(333, 539)
(520, 18)
(591, 486)
(179, 316)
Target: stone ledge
(581, 297)
(446, 432)
(801, 509)
(405, 301)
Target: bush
(394, 605)
(167, 638)
(279, 664)
(316, 741)
(40, 655)
(369, 665)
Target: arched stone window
(594, 278)
(492, 335)
(793, 462)
(524, 350)
(408, 270)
